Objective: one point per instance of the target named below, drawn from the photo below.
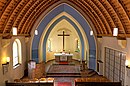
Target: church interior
(64, 42)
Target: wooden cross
(63, 38)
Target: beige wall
(113, 43)
(128, 58)
(6, 50)
(110, 42)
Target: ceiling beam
(116, 10)
(111, 35)
(6, 35)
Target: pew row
(98, 81)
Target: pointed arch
(52, 26)
(78, 17)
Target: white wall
(6, 51)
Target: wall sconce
(127, 64)
(36, 32)
(7, 60)
(91, 33)
(5, 65)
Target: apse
(55, 40)
(80, 25)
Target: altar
(63, 57)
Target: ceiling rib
(25, 25)
(106, 24)
(103, 14)
(39, 13)
(26, 12)
(118, 16)
(14, 5)
(91, 12)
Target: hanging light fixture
(14, 31)
(115, 31)
(36, 32)
(91, 33)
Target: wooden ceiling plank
(92, 11)
(108, 16)
(124, 4)
(107, 24)
(113, 4)
(34, 14)
(17, 13)
(92, 14)
(110, 35)
(11, 12)
(4, 8)
(111, 12)
(24, 18)
(117, 16)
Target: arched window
(77, 45)
(49, 45)
(16, 53)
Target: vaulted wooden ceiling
(104, 14)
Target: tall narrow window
(16, 53)
(77, 45)
(49, 45)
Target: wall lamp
(7, 60)
(127, 64)
(5, 65)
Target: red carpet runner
(64, 84)
(63, 62)
(64, 81)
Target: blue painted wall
(81, 21)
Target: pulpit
(31, 67)
(36, 70)
(59, 57)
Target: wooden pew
(32, 82)
(29, 84)
(97, 83)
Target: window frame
(17, 44)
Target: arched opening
(40, 42)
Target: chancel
(65, 42)
(63, 56)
